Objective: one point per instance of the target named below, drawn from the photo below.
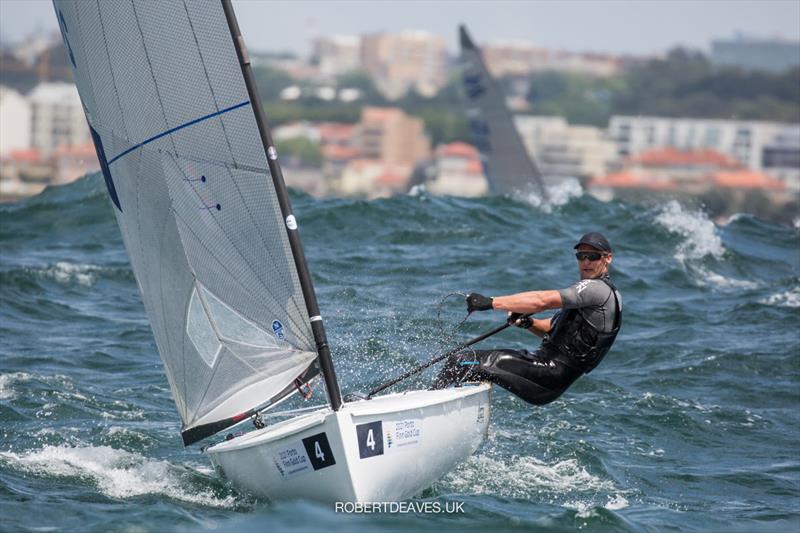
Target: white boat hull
(385, 449)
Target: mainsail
(187, 171)
(506, 163)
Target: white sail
(506, 163)
(188, 176)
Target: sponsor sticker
(272, 153)
(277, 328)
(312, 453)
(291, 222)
(481, 414)
(292, 461)
(403, 434)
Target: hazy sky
(616, 26)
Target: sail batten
(174, 126)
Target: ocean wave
(6, 384)
(116, 473)
(523, 477)
(66, 272)
(700, 241)
(790, 298)
(558, 194)
(699, 234)
(706, 277)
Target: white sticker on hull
(292, 461)
(312, 453)
(403, 434)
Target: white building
(744, 140)
(15, 121)
(337, 54)
(57, 117)
(562, 150)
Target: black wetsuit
(580, 336)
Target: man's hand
(519, 320)
(478, 302)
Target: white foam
(707, 277)
(790, 298)
(117, 473)
(558, 194)
(522, 477)
(7, 381)
(418, 190)
(65, 272)
(700, 238)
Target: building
(518, 58)
(57, 117)
(598, 65)
(781, 157)
(337, 55)
(389, 135)
(562, 150)
(399, 62)
(771, 147)
(521, 58)
(707, 174)
(386, 146)
(458, 171)
(771, 55)
(15, 121)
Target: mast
(303, 273)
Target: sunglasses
(591, 256)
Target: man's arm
(540, 326)
(528, 302)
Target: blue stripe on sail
(176, 128)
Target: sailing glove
(478, 302)
(520, 320)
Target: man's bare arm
(528, 302)
(540, 327)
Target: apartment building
(772, 147)
(337, 54)
(57, 117)
(522, 58)
(562, 150)
(389, 143)
(15, 121)
(399, 62)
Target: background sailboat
(506, 163)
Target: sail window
(232, 326)
(201, 332)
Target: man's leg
(536, 378)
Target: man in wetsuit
(575, 339)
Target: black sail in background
(189, 179)
(506, 163)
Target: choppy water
(691, 423)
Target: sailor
(575, 338)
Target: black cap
(595, 240)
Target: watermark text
(399, 507)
